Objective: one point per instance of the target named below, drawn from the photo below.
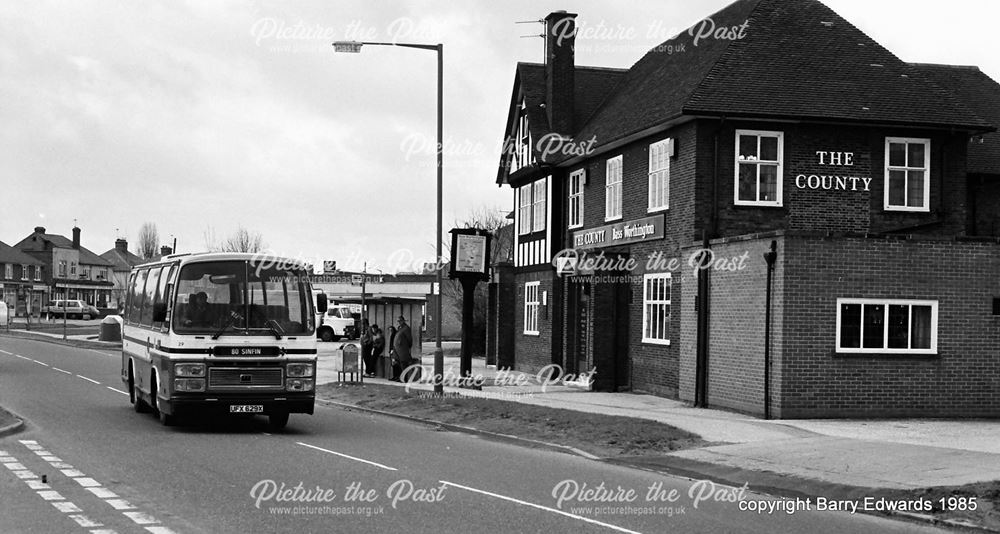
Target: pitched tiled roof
(122, 260)
(982, 94)
(796, 59)
(591, 86)
(11, 255)
(86, 256)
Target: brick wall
(737, 300)
(832, 210)
(985, 193)
(963, 380)
(532, 352)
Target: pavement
(890, 454)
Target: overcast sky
(201, 116)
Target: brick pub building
(875, 182)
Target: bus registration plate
(246, 408)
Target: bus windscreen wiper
(275, 328)
(233, 316)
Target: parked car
(73, 309)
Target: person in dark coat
(367, 348)
(393, 357)
(403, 344)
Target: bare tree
(242, 240)
(148, 244)
(492, 220)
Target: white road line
(160, 530)
(89, 379)
(51, 458)
(41, 452)
(72, 473)
(61, 465)
(4, 459)
(14, 466)
(87, 482)
(103, 531)
(84, 521)
(37, 484)
(540, 507)
(66, 507)
(27, 442)
(61, 370)
(51, 495)
(40, 363)
(7, 353)
(25, 475)
(24, 357)
(346, 456)
(120, 504)
(141, 518)
(117, 390)
(103, 493)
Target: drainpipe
(769, 257)
(702, 300)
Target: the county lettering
(838, 183)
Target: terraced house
(782, 218)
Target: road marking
(120, 504)
(6, 459)
(51, 495)
(87, 482)
(84, 521)
(61, 370)
(160, 530)
(41, 452)
(540, 507)
(24, 357)
(141, 518)
(51, 458)
(103, 493)
(40, 363)
(117, 390)
(89, 379)
(25, 475)
(66, 507)
(37, 484)
(103, 531)
(61, 465)
(348, 457)
(7, 353)
(14, 466)
(72, 473)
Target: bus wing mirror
(321, 303)
(159, 312)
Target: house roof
(982, 94)
(591, 86)
(797, 59)
(11, 255)
(122, 260)
(86, 256)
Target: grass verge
(597, 434)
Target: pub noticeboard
(470, 252)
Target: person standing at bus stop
(367, 348)
(403, 343)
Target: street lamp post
(355, 47)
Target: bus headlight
(297, 370)
(189, 384)
(189, 369)
(299, 384)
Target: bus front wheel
(277, 421)
(165, 418)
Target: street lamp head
(351, 47)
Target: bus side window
(137, 294)
(163, 292)
(129, 298)
(146, 317)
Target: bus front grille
(245, 377)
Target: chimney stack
(121, 245)
(39, 229)
(166, 251)
(560, 39)
(76, 237)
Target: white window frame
(648, 302)
(659, 174)
(578, 178)
(613, 189)
(38, 273)
(524, 195)
(523, 156)
(538, 205)
(24, 272)
(8, 271)
(933, 304)
(779, 193)
(906, 168)
(532, 305)
(62, 269)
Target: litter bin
(111, 329)
(351, 363)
